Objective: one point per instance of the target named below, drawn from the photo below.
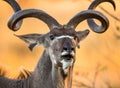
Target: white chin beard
(66, 64)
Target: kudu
(57, 61)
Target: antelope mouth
(67, 61)
(67, 57)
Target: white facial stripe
(64, 36)
(73, 53)
(66, 53)
(60, 37)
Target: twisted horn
(13, 4)
(16, 8)
(95, 3)
(15, 23)
(91, 22)
(90, 14)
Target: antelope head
(61, 42)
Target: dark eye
(75, 37)
(52, 36)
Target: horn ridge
(95, 3)
(15, 21)
(15, 6)
(87, 14)
(91, 23)
(19, 15)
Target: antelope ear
(32, 40)
(81, 35)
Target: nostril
(65, 48)
(68, 49)
(72, 49)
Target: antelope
(57, 61)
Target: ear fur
(81, 35)
(32, 40)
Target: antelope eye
(52, 37)
(75, 37)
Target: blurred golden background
(98, 59)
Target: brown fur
(24, 73)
